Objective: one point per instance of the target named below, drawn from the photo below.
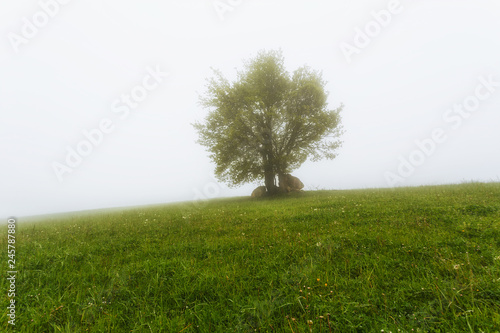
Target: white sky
(67, 75)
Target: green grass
(423, 259)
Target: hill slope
(415, 259)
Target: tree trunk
(282, 183)
(270, 175)
(270, 181)
(269, 162)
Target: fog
(97, 98)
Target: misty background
(70, 73)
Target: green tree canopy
(267, 122)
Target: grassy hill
(423, 259)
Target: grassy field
(423, 259)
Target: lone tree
(267, 122)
